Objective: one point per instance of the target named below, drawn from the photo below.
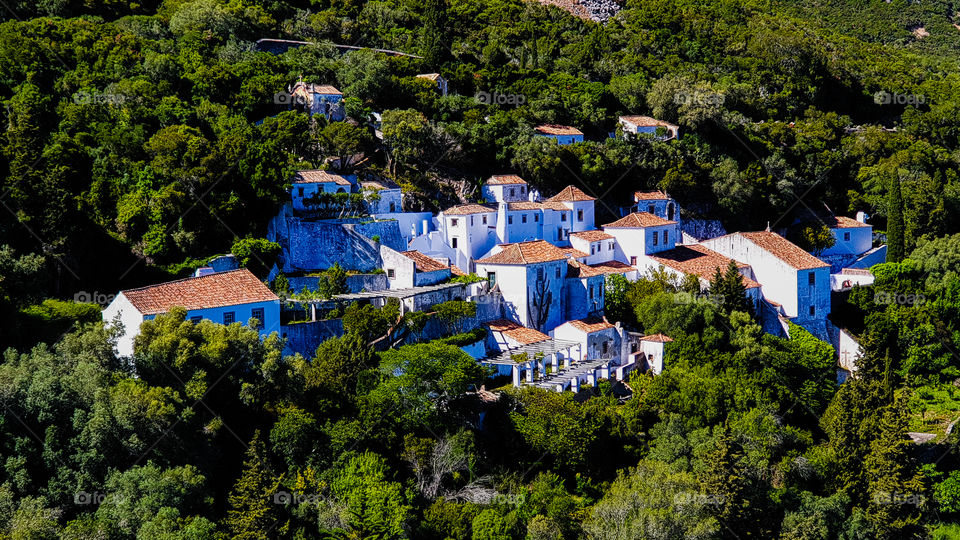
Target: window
(605, 345)
(195, 319)
(665, 237)
(540, 274)
(536, 218)
(610, 247)
(633, 261)
(393, 207)
(471, 221)
(813, 311)
(492, 277)
(846, 237)
(650, 208)
(558, 272)
(509, 220)
(300, 191)
(391, 273)
(453, 242)
(591, 292)
(511, 192)
(579, 215)
(229, 317)
(523, 218)
(257, 313)
(812, 278)
(484, 220)
(559, 233)
(454, 222)
(563, 216)
(655, 237)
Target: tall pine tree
(253, 513)
(896, 243)
(432, 45)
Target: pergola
(400, 294)
(537, 356)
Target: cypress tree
(895, 226)
(253, 513)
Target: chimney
(862, 216)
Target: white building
(307, 184)
(410, 269)
(852, 237)
(470, 230)
(562, 134)
(651, 352)
(645, 125)
(585, 287)
(598, 338)
(319, 99)
(598, 246)
(383, 197)
(504, 188)
(790, 277)
(530, 276)
(436, 78)
(223, 297)
(698, 260)
(641, 233)
(580, 205)
(657, 203)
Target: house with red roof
(504, 188)
(795, 280)
(649, 126)
(562, 134)
(307, 185)
(234, 296)
(580, 205)
(321, 99)
(598, 338)
(640, 234)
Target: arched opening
(341, 190)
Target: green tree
(896, 240)
(257, 254)
(252, 513)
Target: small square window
(195, 319)
(633, 261)
(523, 218)
(484, 220)
(257, 313)
(454, 222)
(650, 208)
(665, 237)
(655, 237)
(536, 218)
(509, 220)
(610, 246)
(300, 191)
(813, 311)
(229, 317)
(812, 278)
(846, 237)
(492, 277)
(391, 273)
(579, 215)
(511, 192)
(563, 216)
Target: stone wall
(355, 283)
(304, 338)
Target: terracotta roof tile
(592, 236)
(317, 176)
(784, 250)
(325, 89)
(467, 209)
(580, 270)
(504, 179)
(455, 270)
(222, 289)
(639, 220)
(650, 196)
(575, 253)
(699, 261)
(557, 129)
(646, 121)
(571, 194)
(844, 222)
(524, 205)
(657, 338)
(424, 263)
(517, 332)
(537, 251)
(591, 324)
(431, 76)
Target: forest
(143, 138)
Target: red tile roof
(557, 129)
(325, 89)
(657, 338)
(650, 196)
(571, 194)
(591, 324)
(646, 121)
(424, 263)
(467, 209)
(537, 251)
(524, 205)
(575, 253)
(639, 220)
(504, 179)
(592, 236)
(516, 332)
(699, 261)
(222, 289)
(579, 270)
(317, 176)
(843, 222)
(784, 250)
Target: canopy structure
(398, 293)
(547, 348)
